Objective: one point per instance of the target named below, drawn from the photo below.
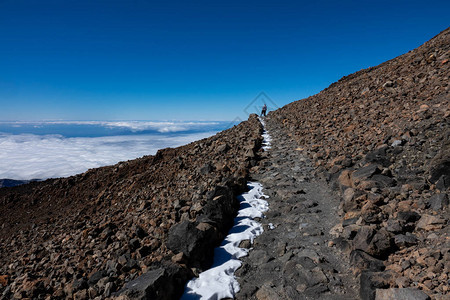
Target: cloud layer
(29, 156)
(112, 128)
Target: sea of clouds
(37, 155)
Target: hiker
(264, 109)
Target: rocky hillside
(382, 137)
(89, 235)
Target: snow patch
(219, 281)
(267, 139)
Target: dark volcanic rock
(162, 283)
(363, 261)
(194, 241)
(439, 202)
(440, 165)
(371, 281)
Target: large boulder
(376, 243)
(196, 241)
(163, 283)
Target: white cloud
(28, 156)
(135, 126)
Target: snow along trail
(266, 136)
(219, 281)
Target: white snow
(266, 136)
(219, 281)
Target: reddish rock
(4, 280)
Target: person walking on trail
(264, 109)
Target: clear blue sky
(192, 60)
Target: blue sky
(192, 60)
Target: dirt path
(295, 259)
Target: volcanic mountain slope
(382, 137)
(86, 235)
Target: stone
(80, 295)
(101, 284)
(378, 156)
(371, 281)
(363, 261)
(348, 195)
(145, 250)
(342, 244)
(439, 202)
(345, 178)
(429, 222)
(245, 244)
(134, 244)
(350, 221)
(94, 278)
(350, 202)
(109, 288)
(370, 213)
(195, 243)
(382, 243)
(363, 238)
(4, 280)
(375, 198)
(79, 284)
(267, 293)
(179, 258)
(316, 276)
(443, 183)
(365, 172)
(223, 148)
(259, 257)
(393, 225)
(401, 294)
(376, 243)
(206, 169)
(162, 283)
(440, 165)
(388, 84)
(408, 216)
(402, 240)
(383, 181)
(122, 260)
(92, 292)
(140, 233)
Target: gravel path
(295, 259)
